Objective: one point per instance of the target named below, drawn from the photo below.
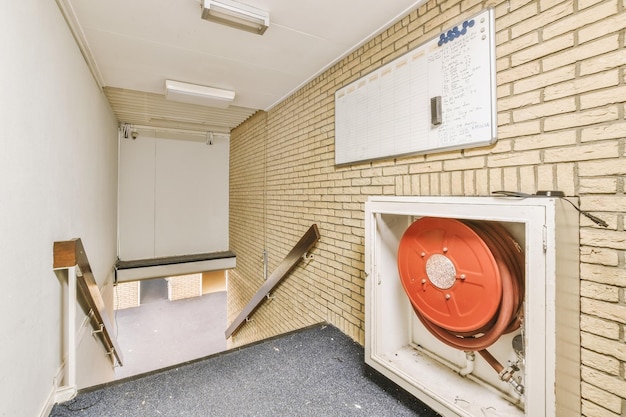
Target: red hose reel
(465, 280)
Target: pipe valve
(508, 375)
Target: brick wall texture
(561, 92)
(184, 286)
(126, 295)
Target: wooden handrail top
(288, 263)
(70, 253)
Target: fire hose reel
(465, 281)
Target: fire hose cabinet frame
(541, 358)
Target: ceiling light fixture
(198, 94)
(237, 15)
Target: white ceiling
(133, 46)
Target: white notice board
(393, 111)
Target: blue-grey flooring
(313, 372)
(162, 333)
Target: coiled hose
(465, 281)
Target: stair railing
(70, 255)
(298, 252)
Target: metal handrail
(298, 252)
(71, 253)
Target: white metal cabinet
(398, 346)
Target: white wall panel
(173, 197)
(136, 191)
(191, 197)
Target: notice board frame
(437, 97)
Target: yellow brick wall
(560, 93)
(126, 295)
(184, 286)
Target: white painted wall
(58, 180)
(136, 198)
(173, 197)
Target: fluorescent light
(198, 94)
(237, 15)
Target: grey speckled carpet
(313, 372)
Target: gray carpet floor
(313, 372)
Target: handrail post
(70, 263)
(71, 253)
(71, 331)
(69, 389)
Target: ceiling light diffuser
(236, 15)
(198, 94)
